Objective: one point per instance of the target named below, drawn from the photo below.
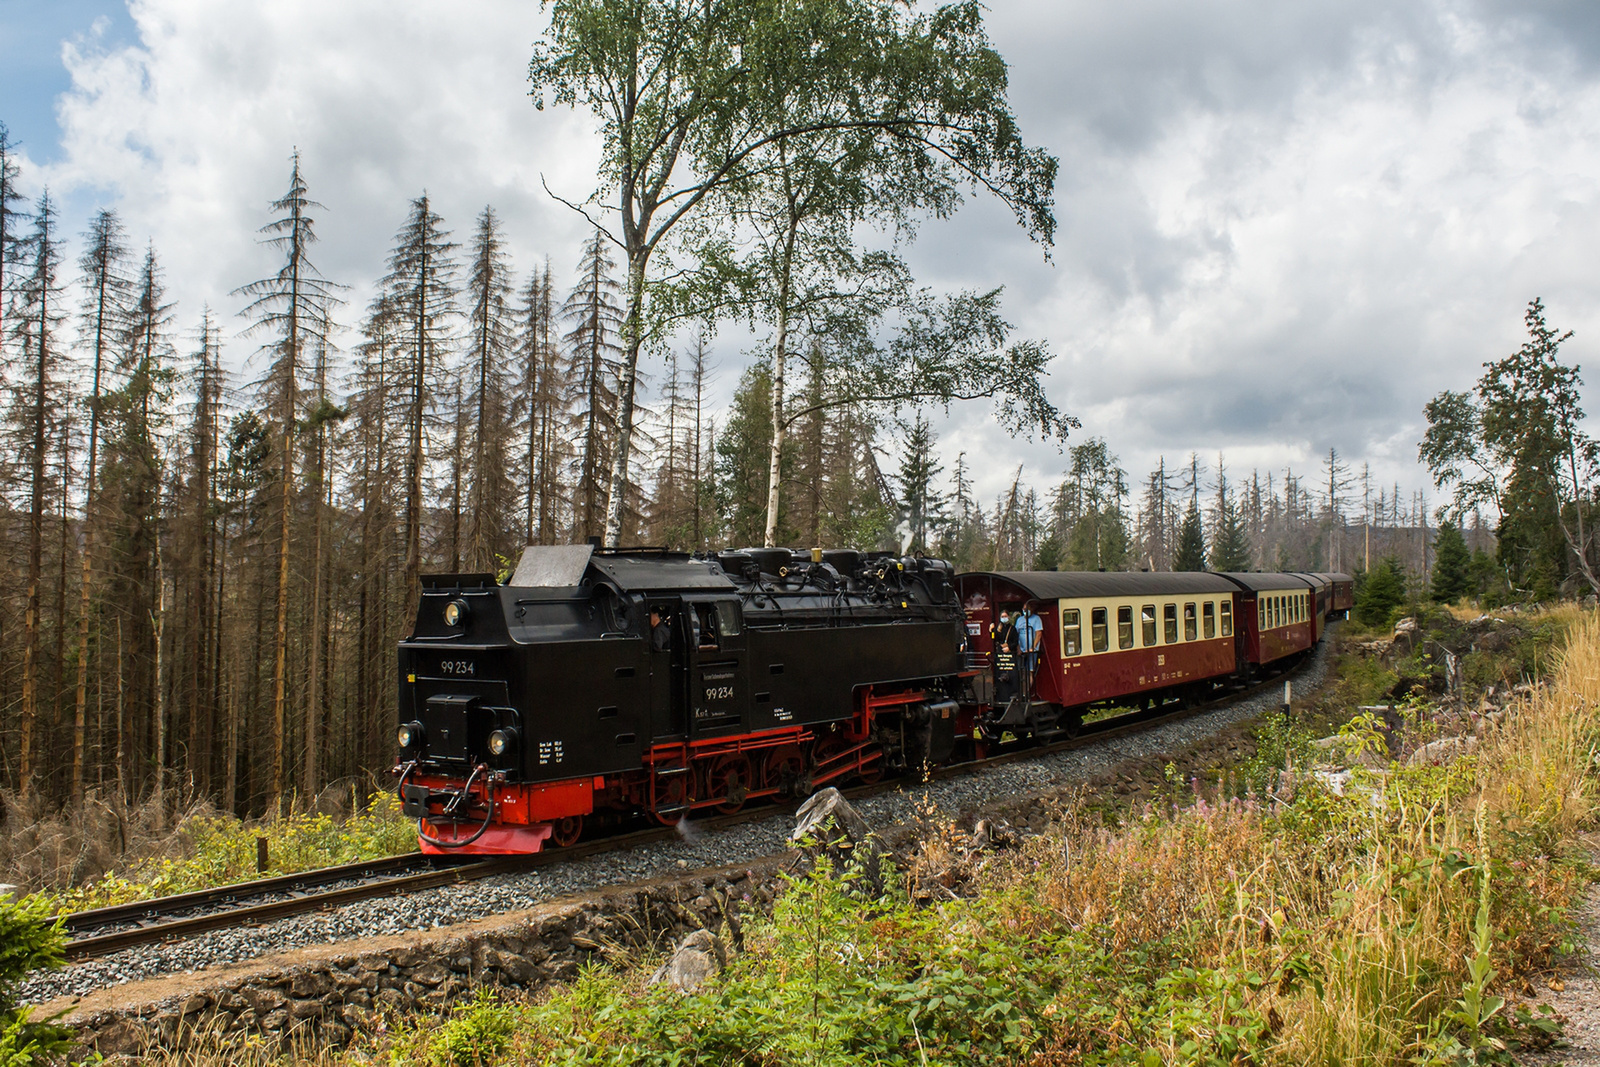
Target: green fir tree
(1191, 553)
(1383, 591)
(1451, 579)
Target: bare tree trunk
(286, 444)
(633, 338)
(159, 623)
(779, 359)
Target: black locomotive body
(600, 684)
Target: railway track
(102, 931)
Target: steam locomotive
(599, 686)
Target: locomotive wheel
(729, 777)
(564, 833)
(673, 794)
(783, 769)
(872, 772)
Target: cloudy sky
(1283, 227)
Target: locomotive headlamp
(455, 613)
(409, 735)
(502, 742)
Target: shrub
(474, 1036)
(29, 940)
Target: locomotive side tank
(600, 684)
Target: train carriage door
(668, 644)
(718, 685)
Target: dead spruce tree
(291, 306)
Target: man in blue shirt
(1030, 639)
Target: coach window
(1169, 623)
(1227, 618)
(1208, 619)
(1190, 623)
(1098, 629)
(1147, 621)
(1071, 633)
(1261, 613)
(1125, 626)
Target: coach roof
(1257, 582)
(1061, 585)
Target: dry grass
(46, 848)
(1539, 769)
(108, 852)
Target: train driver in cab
(660, 632)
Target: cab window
(728, 618)
(1190, 623)
(1227, 618)
(704, 624)
(1147, 622)
(1208, 619)
(1097, 629)
(1071, 633)
(1170, 623)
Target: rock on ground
(697, 959)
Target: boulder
(827, 825)
(1493, 641)
(697, 959)
(1441, 751)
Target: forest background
(202, 571)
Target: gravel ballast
(450, 905)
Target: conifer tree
(322, 415)
(36, 408)
(1230, 542)
(491, 493)
(421, 288)
(544, 387)
(103, 317)
(375, 403)
(1451, 565)
(11, 241)
(133, 479)
(593, 355)
(1383, 591)
(291, 306)
(1190, 554)
(920, 501)
(742, 449)
(196, 566)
